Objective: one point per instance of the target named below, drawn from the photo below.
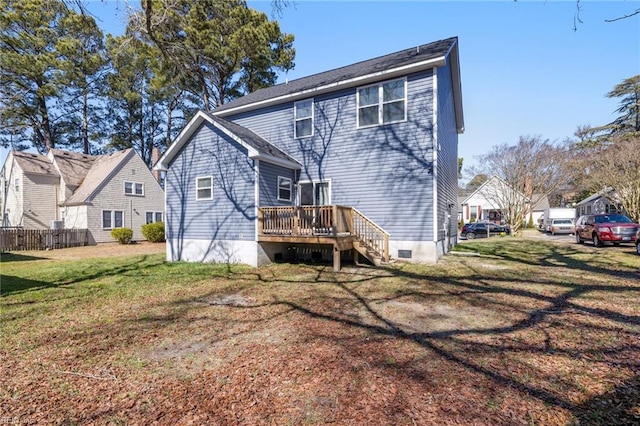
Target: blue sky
(525, 71)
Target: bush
(123, 235)
(153, 232)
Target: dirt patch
(96, 251)
(413, 317)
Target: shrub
(153, 232)
(123, 235)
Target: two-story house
(361, 159)
(78, 191)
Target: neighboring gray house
(78, 191)
(359, 160)
(600, 202)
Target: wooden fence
(42, 239)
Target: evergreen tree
(219, 49)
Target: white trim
(290, 188)
(210, 187)
(381, 103)
(153, 212)
(436, 148)
(361, 80)
(133, 188)
(314, 182)
(194, 124)
(311, 117)
(277, 161)
(113, 219)
(256, 196)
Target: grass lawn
(508, 331)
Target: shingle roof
(101, 168)
(399, 59)
(250, 138)
(34, 163)
(73, 166)
(542, 203)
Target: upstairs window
(204, 188)
(16, 182)
(134, 188)
(284, 188)
(303, 112)
(382, 103)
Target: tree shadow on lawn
(12, 285)
(550, 254)
(545, 310)
(15, 257)
(620, 406)
(339, 298)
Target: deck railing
(332, 221)
(305, 220)
(371, 235)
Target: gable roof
(487, 182)
(72, 166)
(605, 193)
(384, 67)
(542, 203)
(257, 146)
(36, 164)
(102, 168)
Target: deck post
(296, 221)
(336, 259)
(260, 221)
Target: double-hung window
(303, 112)
(112, 219)
(382, 103)
(204, 188)
(284, 188)
(153, 217)
(134, 188)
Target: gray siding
(111, 197)
(230, 215)
(383, 171)
(447, 155)
(269, 184)
(39, 195)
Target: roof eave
(277, 161)
(352, 82)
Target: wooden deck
(345, 228)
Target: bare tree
(614, 165)
(527, 172)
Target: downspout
(434, 166)
(256, 197)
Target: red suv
(601, 228)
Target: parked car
(601, 228)
(561, 226)
(482, 230)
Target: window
(153, 217)
(16, 182)
(382, 103)
(303, 111)
(284, 188)
(112, 219)
(204, 188)
(134, 188)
